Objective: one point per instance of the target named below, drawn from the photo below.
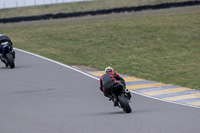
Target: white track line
(64, 65)
(56, 62)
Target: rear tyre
(10, 60)
(124, 103)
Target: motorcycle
(8, 55)
(122, 96)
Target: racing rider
(108, 80)
(3, 41)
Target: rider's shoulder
(117, 74)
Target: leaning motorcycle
(122, 97)
(8, 55)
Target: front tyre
(10, 60)
(124, 103)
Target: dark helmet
(109, 69)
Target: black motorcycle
(123, 97)
(8, 55)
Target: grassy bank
(159, 48)
(75, 7)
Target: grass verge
(159, 48)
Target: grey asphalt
(39, 96)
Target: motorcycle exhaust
(127, 90)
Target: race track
(40, 96)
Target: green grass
(159, 48)
(75, 7)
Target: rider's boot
(115, 102)
(2, 58)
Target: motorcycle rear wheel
(124, 103)
(10, 60)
